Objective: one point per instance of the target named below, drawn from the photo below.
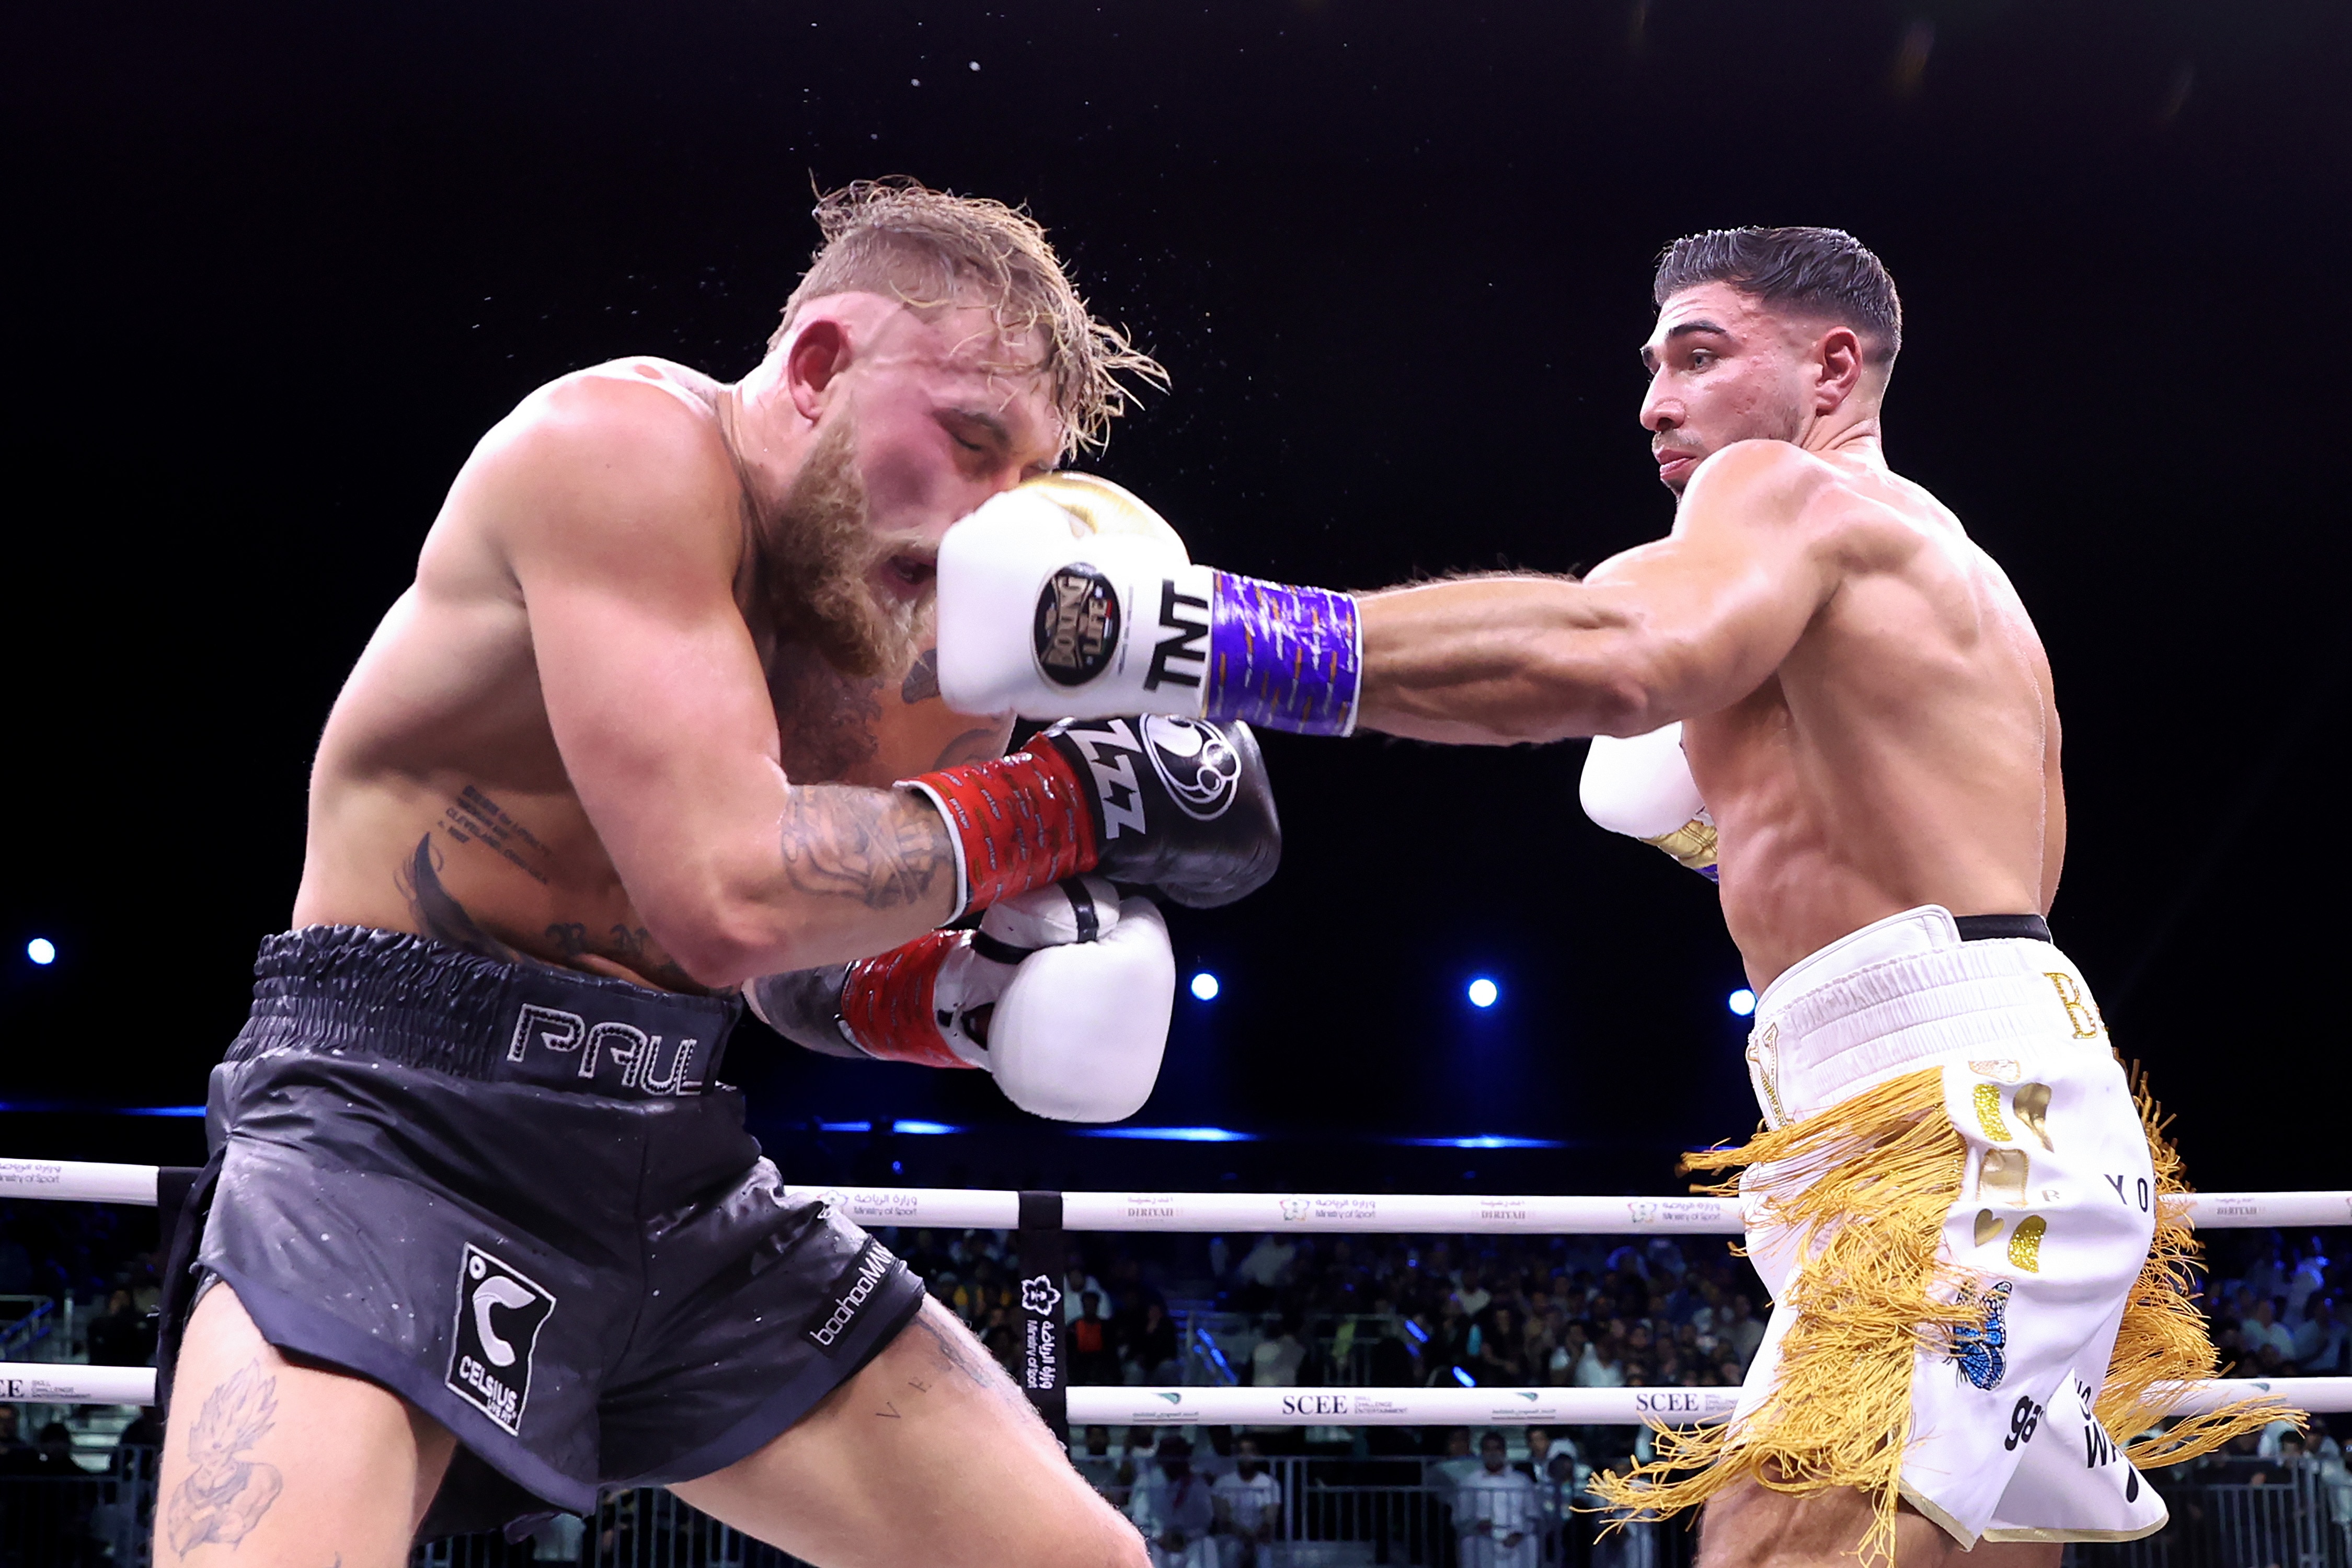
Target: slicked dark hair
(1826, 273)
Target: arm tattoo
(887, 850)
(224, 1495)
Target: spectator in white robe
(1174, 1512)
(1249, 1508)
(1496, 1512)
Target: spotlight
(41, 950)
(1483, 992)
(1741, 1001)
(1205, 986)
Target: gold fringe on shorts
(1871, 1297)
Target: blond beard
(822, 552)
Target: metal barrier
(67, 1520)
(2303, 1519)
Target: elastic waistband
(1906, 990)
(419, 1003)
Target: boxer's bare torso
(440, 802)
(1867, 709)
(1905, 750)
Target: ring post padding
(1045, 1260)
(49, 1383)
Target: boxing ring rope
(1029, 1212)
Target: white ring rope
(46, 1382)
(956, 1208)
(979, 1210)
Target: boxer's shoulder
(629, 452)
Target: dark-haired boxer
(650, 727)
(1954, 1199)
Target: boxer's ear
(1837, 368)
(819, 352)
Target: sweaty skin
(1866, 707)
(585, 737)
(581, 736)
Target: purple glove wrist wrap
(1284, 657)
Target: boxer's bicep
(661, 713)
(1681, 626)
(1710, 611)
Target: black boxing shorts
(517, 1197)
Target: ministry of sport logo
(499, 1314)
(1038, 1296)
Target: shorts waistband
(420, 1003)
(1902, 991)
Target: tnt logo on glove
(499, 1314)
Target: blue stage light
(1172, 1134)
(1741, 1001)
(1483, 992)
(923, 1129)
(41, 950)
(1205, 986)
(1462, 1378)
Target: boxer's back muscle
(440, 802)
(1904, 753)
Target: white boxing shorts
(1957, 1204)
(2054, 1215)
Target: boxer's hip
(515, 1197)
(1916, 989)
(406, 1000)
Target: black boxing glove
(1178, 805)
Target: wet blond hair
(932, 249)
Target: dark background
(275, 268)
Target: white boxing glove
(1067, 596)
(1063, 994)
(1078, 1031)
(1641, 787)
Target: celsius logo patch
(847, 1298)
(1077, 625)
(1200, 766)
(499, 1314)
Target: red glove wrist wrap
(885, 1002)
(1021, 822)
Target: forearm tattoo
(886, 850)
